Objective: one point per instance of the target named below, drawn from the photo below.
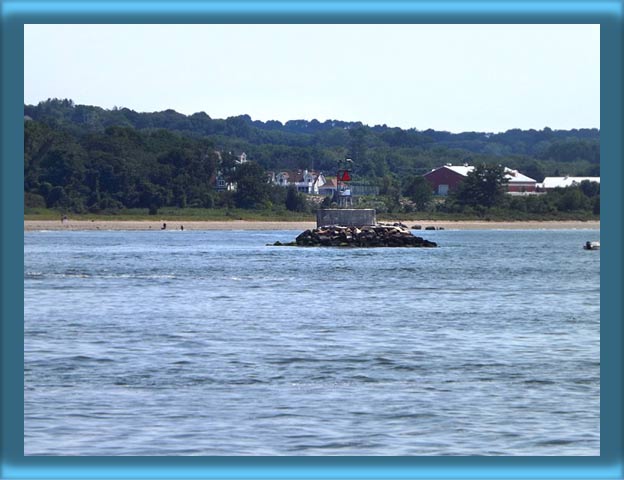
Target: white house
(305, 181)
(220, 183)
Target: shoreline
(132, 225)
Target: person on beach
(164, 227)
(181, 227)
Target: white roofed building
(550, 183)
(518, 182)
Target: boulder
(379, 235)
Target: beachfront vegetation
(88, 160)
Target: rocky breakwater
(379, 235)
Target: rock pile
(380, 235)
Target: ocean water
(213, 343)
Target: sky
(485, 78)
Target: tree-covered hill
(547, 145)
(88, 157)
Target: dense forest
(86, 158)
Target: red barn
(446, 179)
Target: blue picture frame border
(17, 13)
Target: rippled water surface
(212, 343)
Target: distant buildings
(518, 182)
(550, 183)
(446, 179)
(305, 181)
(329, 188)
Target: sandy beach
(39, 225)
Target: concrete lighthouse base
(346, 217)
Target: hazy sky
(447, 77)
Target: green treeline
(87, 159)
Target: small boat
(591, 245)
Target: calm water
(212, 343)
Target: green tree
(418, 190)
(533, 170)
(57, 198)
(572, 199)
(390, 190)
(63, 165)
(357, 144)
(252, 188)
(484, 186)
(590, 189)
(596, 205)
(295, 201)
